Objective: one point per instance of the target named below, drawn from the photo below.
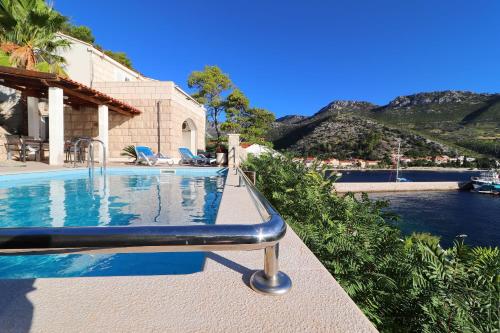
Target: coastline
(397, 187)
(434, 169)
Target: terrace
(217, 298)
(53, 111)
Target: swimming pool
(123, 197)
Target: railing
(90, 157)
(118, 239)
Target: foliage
(129, 151)
(469, 124)
(255, 123)
(216, 91)
(80, 32)
(121, 57)
(486, 163)
(486, 147)
(28, 34)
(236, 103)
(4, 59)
(367, 146)
(28, 29)
(85, 34)
(348, 135)
(252, 123)
(210, 85)
(402, 285)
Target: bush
(402, 284)
(129, 151)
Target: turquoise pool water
(136, 196)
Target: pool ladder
(90, 154)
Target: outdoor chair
(187, 157)
(145, 154)
(75, 154)
(15, 143)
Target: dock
(401, 187)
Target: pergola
(59, 91)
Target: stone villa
(102, 99)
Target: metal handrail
(90, 153)
(120, 239)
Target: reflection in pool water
(114, 200)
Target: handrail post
(271, 281)
(75, 146)
(103, 165)
(90, 159)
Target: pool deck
(218, 299)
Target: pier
(401, 187)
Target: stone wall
(105, 69)
(13, 118)
(80, 122)
(174, 109)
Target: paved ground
(218, 299)
(396, 187)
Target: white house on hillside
(104, 99)
(86, 64)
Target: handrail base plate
(278, 285)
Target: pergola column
(233, 141)
(56, 126)
(33, 118)
(103, 124)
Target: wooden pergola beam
(36, 84)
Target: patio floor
(218, 299)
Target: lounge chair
(145, 154)
(187, 157)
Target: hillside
(458, 118)
(445, 122)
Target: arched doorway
(189, 135)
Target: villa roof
(35, 84)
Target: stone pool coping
(218, 299)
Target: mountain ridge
(453, 120)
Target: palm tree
(28, 35)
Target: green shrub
(402, 284)
(129, 151)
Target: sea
(447, 214)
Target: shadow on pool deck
(246, 273)
(16, 310)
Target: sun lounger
(145, 154)
(187, 157)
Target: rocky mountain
(289, 120)
(337, 107)
(439, 98)
(427, 124)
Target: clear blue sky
(295, 56)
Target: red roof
(36, 84)
(245, 144)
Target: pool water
(123, 197)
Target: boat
(489, 189)
(490, 177)
(400, 179)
